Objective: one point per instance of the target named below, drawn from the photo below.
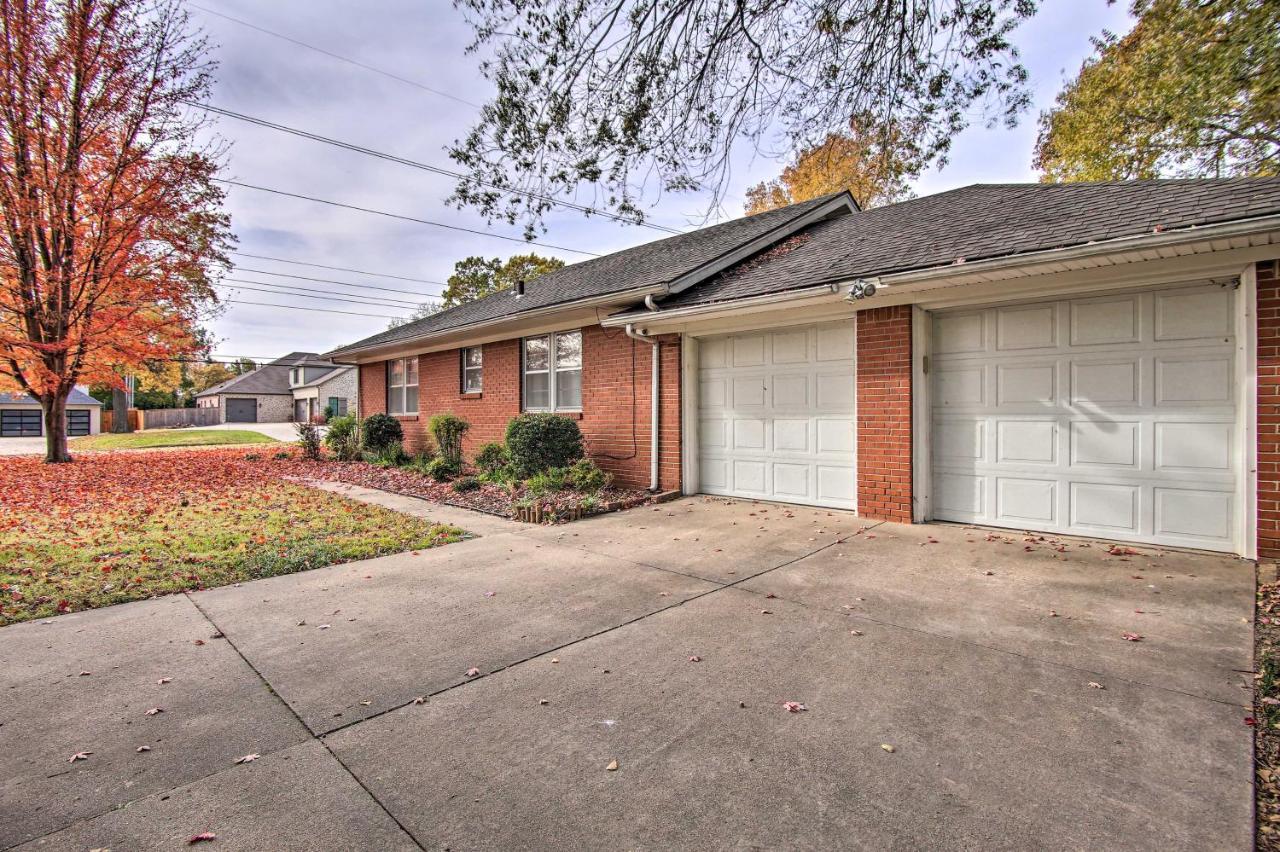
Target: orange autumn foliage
(111, 223)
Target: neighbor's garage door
(1111, 416)
(77, 423)
(21, 424)
(242, 410)
(776, 415)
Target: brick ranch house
(1097, 359)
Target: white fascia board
(737, 307)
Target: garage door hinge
(924, 361)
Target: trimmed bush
(441, 469)
(343, 437)
(466, 483)
(379, 431)
(538, 442)
(448, 430)
(492, 458)
(548, 482)
(587, 477)
(308, 440)
(391, 455)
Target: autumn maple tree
(112, 229)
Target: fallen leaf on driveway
(202, 837)
(888, 748)
(249, 758)
(198, 642)
(80, 755)
(323, 627)
(1131, 637)
(1095, 685)
(613, 766)
(794, 706)
(155, 711)
(766, 612)
(165, 680)
(421, 699)
(1118, 550)
(855, 632)
(141, 749)
(555, 659)
(85, 674)
(473, 671)
(695, 659)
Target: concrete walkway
(666, 640)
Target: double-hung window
(553, 372)
(472, 369)
(402, 386)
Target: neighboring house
(1100, 359)
(296, 387)
(22, 417)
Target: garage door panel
(1125, 429)
(955, 334)
(785, 429)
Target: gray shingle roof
(271, 379)
(646, 265)
(980, 222)
(77, 397)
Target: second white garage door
(1111, 416)
(776, 415)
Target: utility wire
(413, 303)
(333, 55)
(335, 268)
(300, 308)
(321, 298)
(360, 149)
(333, 281)
(402, 217)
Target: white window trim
(401, 387)
(551, 406)
(480, 369)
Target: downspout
(653, 412)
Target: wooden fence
(172, 418)
(108, 416)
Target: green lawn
(119, 527)
(159, 438)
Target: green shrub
(441, 469)
(282, 455)
(537, 442)
(466, 483)
(587, 477)
(252, 456)
(391, 455)
(308, 440)
(492, 458)
(448, 430)
(548, 482)
(380, 431)
(343, 437)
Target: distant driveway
(279, 431)
(21, 446)
(624, 683)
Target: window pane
(472, 381)
(411, 371)
(568, 389)
(395, 372)
(536, 390)
(535, 353)
(395, 401)
(411, 400)
(474, 358)
(569, 349)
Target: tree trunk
(55, 428)
(120, 411)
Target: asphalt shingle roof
(646, 265)
(77, 397)
(271, 379)
(980, 222)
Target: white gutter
(653, 402)
(720, 307)
(1226, 230)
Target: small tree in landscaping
(448, 430)
(380, 431)
(538, 442)
(343, 437)
(308, 440)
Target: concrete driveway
(21, 446)
(961, 691)
(279, 431)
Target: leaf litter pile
(110, 528)
(1266, 715)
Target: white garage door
(1111, 416)
(776, 415)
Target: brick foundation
(1268, 424)
(884, 413)
(615, 401)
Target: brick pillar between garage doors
(884, 413)
(1268, 409)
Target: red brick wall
(1268, 409)
(884, 413)
(615, 401)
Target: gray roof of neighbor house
(77, 397)
(981, 222)
(647, 265)
(271, 378)
(327, 377)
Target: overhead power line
(317, 310)
(332, 55)
(402, 217)
(240, 286)
(332, 281)
(418, 297)
(392, 158)
(336, 268)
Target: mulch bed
(493, 499)
(1266, 715)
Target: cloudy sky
(423, 42)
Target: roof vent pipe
(518, 291)
(653, 403)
